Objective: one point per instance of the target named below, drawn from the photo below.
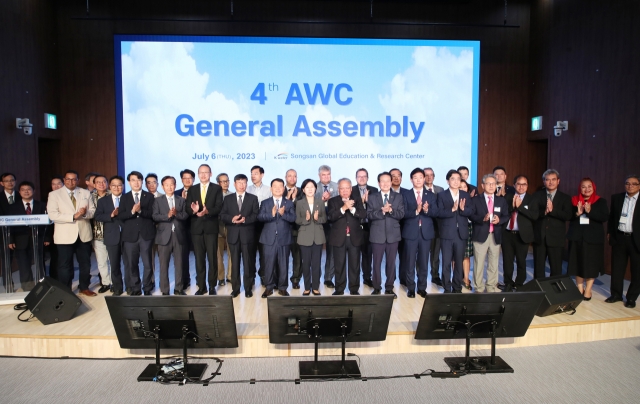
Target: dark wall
(87, 71)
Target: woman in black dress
(586, 236)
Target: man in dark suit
(434, 250)
(420, 210)
(464, 173)
(21, 236)
(623, 232)
(384, 211)
(454, 208)
(346, 236)
(277, 213)
(396, 186)
(554, 210)
(362, 190)
(502, 189)
(187, 176)
(293, 193)
(170, 215)
(107, 213)
(204, 203)
(8, 197)
(518, 233)
(138, 233)
(490, 212)
(240, 212)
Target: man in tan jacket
(70, 210)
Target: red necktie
(514, 216)
(491, 212)
(28, 208)
(419, 201)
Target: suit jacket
(385, 228)
(112, 225)
(207, 224)
(436, 188)
(553, 226)
(340, 221)
(139, 223)
(592, 233)
(527, 215)
(509, 190)
(20, 235)
(480, 209)
(454, 224)
(617, 203)
(412, 228)
(299, 195)
(278, 224)
(239, 232)
(61, 211)
(310, 231)
(4, 202)
(165, 225)
(331, 186)
(355, 193)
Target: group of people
(359, 225)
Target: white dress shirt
(262, 192)
(628, 208)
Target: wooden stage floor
(90, 334)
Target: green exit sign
(536, 123)
(50, 121)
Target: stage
(90, 334)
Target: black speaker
(562, 294)
(52, 302)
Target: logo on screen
(281, 156)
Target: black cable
(24, 308)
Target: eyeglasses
(631, 184)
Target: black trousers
(205, 248)
(276, 266)
(296, 273)
(341, 254)
(452, 250)
(311, 259)
(115, 257)
(514, 247)
(65, 263)
(622, 253)
(24, 256)
(417, 256)
(258, 251)
(389, 251)
(366, 255)
(186, 250)
(53, 262)
(434, 258)
(403, 266)
(165, 252)
(540, 254)
(134, 251)
(247, 252)
(329, 264)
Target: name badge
(584, 219)
(623, 219)
(496, 209)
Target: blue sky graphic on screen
(234, 102)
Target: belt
(625, 233)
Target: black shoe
(200, 292)
(235, 294)
(104, 288)
(437, 281)
(411, 294)
(117, 293)
(630, 304)
(179, 292)
(295, 285)
(422, 293)
(228, 280)
(391, 292)
(135, 293)
(375, 292)
(586, 299)
(212, 292)
(267, 293)
(508, 288)
(187, 285)
(128, 290)
(165, 294)
(456, 291)
(356, 293)
(221, 283)
(329, 284)
(148, 293)
(368, 282)
(336, 293)
(248, 294)
(283, 292)
(612, 299)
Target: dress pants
(434, 258)
(102, 258)
(622, 253)
(115, 256)
(366, 254)
(452, 250)
(341, 254)
(417, 256)
(513, 246)
(174, 248)
(403, 266)
(246, 252)
(389, 251)
(24, 256)
(222, 243)
(6, 272)
(311, 259)
(260, 265)
(204, 248)
(276, 261)
(296, 273)
(134, 251)
(65, 263)
(490, 251)
(53, 261)
(329, 264)
(540, 254)
(186, 251)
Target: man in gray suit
(384, 211)
(434, 253)
(170, 215)
(327, 189)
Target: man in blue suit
(491, 212)
(384, 211)
(454, 207)
(277, 213)
(420, 210)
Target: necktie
(491, 212)
(73, 199)
(11, 200)
(499, 188)
(419, 201)
(239, 203)
(325, 188)
(277, 206)
(28, 208)
(514, 217)
(386, 199)
(117, 201)
(431, 189)
(549, 196)
(203, 194)
(173, 226)
(136, 199)
(362, 191)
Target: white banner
(22, 220)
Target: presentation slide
(281, 103)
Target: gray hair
(631, 176)
(549, 172)
(484, 178)
(344, 179)
(324, 168)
